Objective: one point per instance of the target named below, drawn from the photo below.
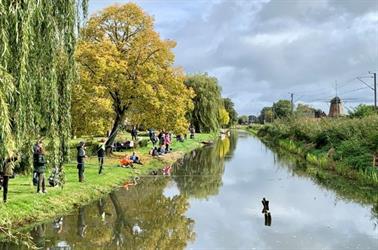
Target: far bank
(344, 146)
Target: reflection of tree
(161, 220)
(233, 142)
(201, 173)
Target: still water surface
(213, 201)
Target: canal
(212, 200)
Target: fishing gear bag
(54, 177)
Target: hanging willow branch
(37, 69)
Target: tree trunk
(117, 122)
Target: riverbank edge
(84, 197)
(326, 169)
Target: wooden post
(375, 160)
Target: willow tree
(37, 68)
(207, 102)
(121, 55)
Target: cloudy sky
(260, 50)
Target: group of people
(161, 145)
(130, 161)
(164, 140)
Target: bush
(143, 143)
(354, 139)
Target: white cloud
(261, 50)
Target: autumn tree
(124, 60)
(207, 102)
(224, 117)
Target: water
(213, 201)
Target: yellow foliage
(224, 117)
(127, 72)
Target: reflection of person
(268, 219)
(101, 209)
(58, 225)
(38, 235)
(81, 226)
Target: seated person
(135, 158)
(161, 150)
(126, 162)
(180, 138)
(154, 151)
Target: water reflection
(215, 203)
(201, 175)
(267, 219)
(344, 189)
(139, 218)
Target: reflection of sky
(304, 215)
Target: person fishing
(39, 162)
(80, 160)
(6, 172)
(101, 155)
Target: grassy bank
(25, 206)
(344, 146)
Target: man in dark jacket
(134, 134)
(39, 163)
(101, 154)
(80, 160)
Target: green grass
(26, 206)
(343, 145)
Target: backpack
(54, 178)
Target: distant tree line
(282, 109)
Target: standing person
(151, 133)
(80, 160)
(40, 166)
(161, 138)
(36, 152)
(192, 131)
(101, 154)
(7, 173)
(167, 141)
(134, 134)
